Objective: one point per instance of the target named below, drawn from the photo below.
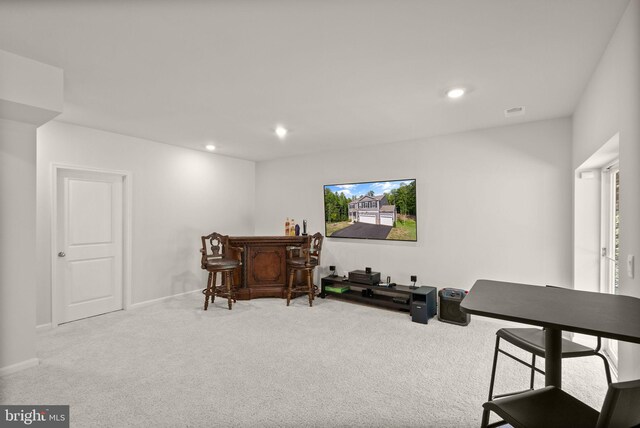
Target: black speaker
(449, 307)
(423, 304)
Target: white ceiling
(338, 74)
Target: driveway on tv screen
(363, 230)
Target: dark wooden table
(556, 309)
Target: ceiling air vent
(514, 111)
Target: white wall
(491, 204)
(178, 194)
(30, 94)
(30, 91)
(17, 244)
(611, 104)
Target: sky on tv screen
(359, 189)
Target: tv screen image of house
(371, 210)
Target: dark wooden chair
(551, 407)
(304, 258)
(222, 259)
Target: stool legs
(309, 289)
(227, 285)
(533, 371)
(485, 412)
(213, 286)
(228, 282)
(291, 275)
(208, 291)
(310, 285)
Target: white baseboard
(43, 327)
(161, 299)
(48, 326)
(13, 368)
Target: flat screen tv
(371, 210)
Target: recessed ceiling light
(210, 147)
(281, 131)
(455, 92)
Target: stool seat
(548, 407)
(221, 264)
(532, 340)
(301, 262)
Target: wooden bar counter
(264, 265)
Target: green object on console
(336, 288)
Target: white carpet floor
(263, 364)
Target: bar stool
(551, 407)
(304, 258)
(219, 261)
(532, 340)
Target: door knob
(61, 254)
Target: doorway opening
(610, 242)
(596, 232)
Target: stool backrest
(621, 406)
(214, 246)
(316, 245)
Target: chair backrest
(214, 246)
(621, 406)
(316, 245)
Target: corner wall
(178, 194)
(610, 104)
(30, 95)
(17, 244)
(493, 203)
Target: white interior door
(90, 244)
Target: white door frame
(127, 187)
(607, 243)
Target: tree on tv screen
(404, 198)
(336, 206)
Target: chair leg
(485, 412)
(493, 368)
(228, 283)
(310, 287)
(207, 291)
(607, 369)
(213, 286)
(533, 371)
(291, 273)
(485, 418)
(233, 287)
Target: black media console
(399, 297)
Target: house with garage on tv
(373, 210)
